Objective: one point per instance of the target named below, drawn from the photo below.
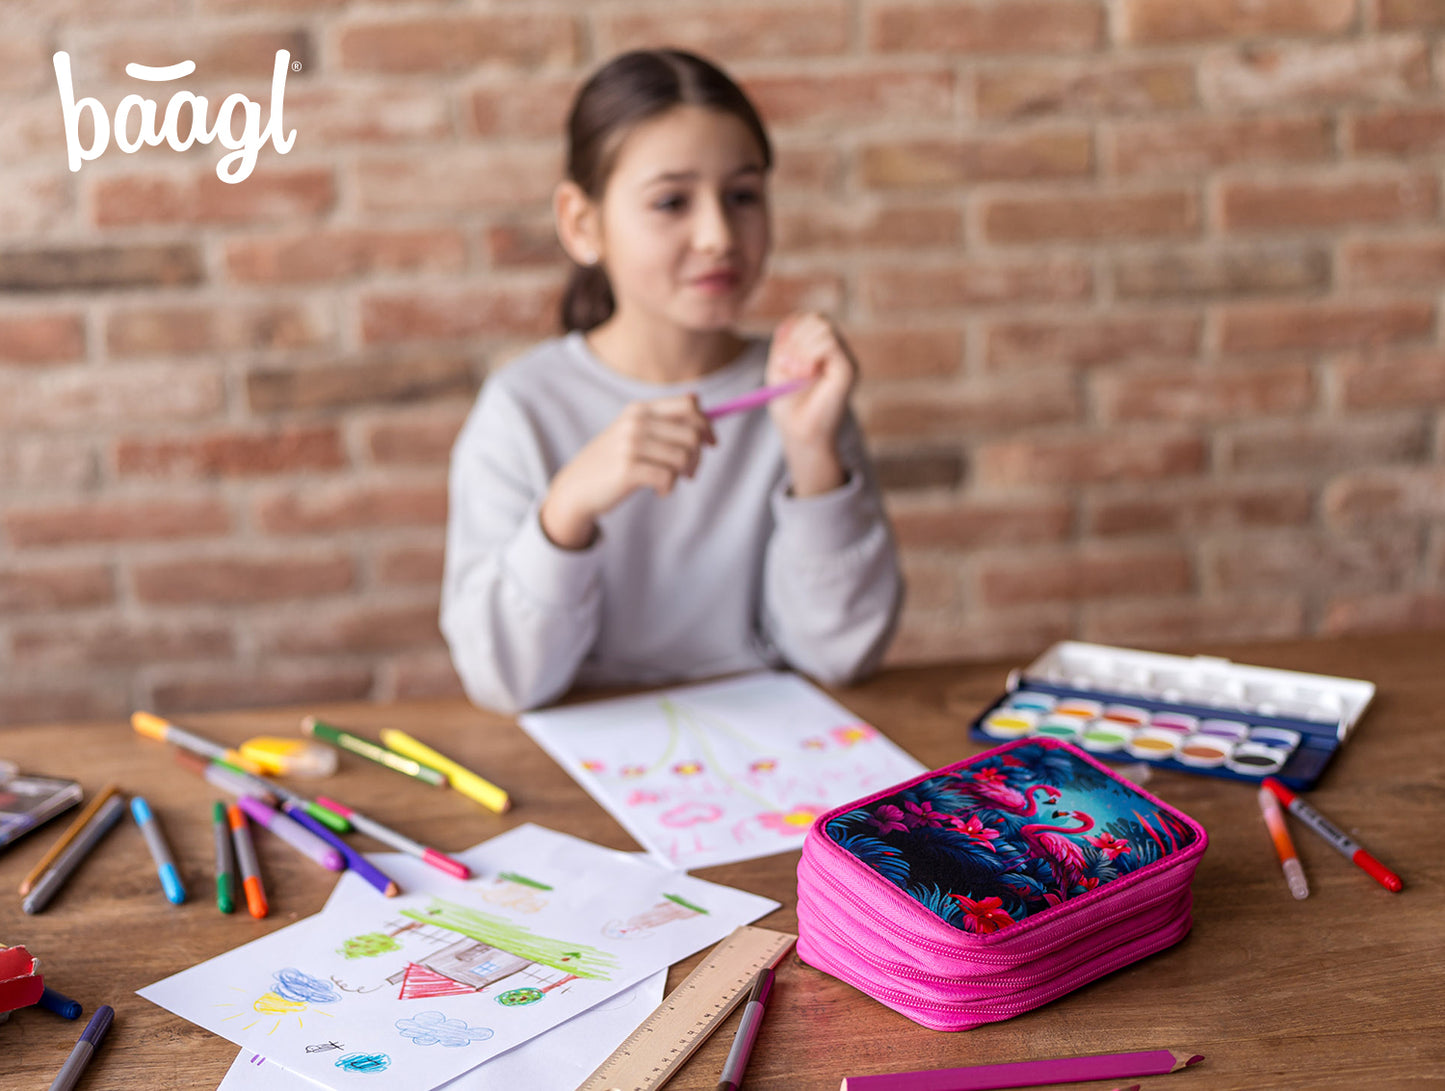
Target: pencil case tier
(984, 889)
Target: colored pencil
(354, 860)
(160, 851)
(99, 825)
(988, 1077)
(225, 860)
(1335, 836)
(365, 748)
(388, 836)
(153, 727)
(298, 837)
(90, 1039)
(462, 779)
(1294, 875)
(246, 859)
(66, 838)
(754, 398)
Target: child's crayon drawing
(723, 771)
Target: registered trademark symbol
(296, 66)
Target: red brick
(918, 468)
(1403, 611)
(84, 268)
(906, 352)
(1324, 445)
(1377, 199)
(29, 702)
(783, 294)
(534, 108)
(746, 31)
(445, 45)
(1210, 508)
(1190, 622)
(191, 330)
(1089, 342)
(1091, 87)
(1020, 26)
(799, 169)
(46, 463)
(1152, 22)
(1084, 459)
(45, 589)
(276, 683)
(230, 54)
(1080, 575)
(1414, 132)
(117, 521)
(977, 282)
(1258, 327)
(1180, 146)
(232, 453)
(819, 225)
(1314, 75)
(1198, 272)
(334, 386)
(932, 164)
(1384, 496)
(475, 312)
(1409, 14)
(405, 566)
(36, 204)
(978, 523)
(1410, 379)
(331, 116)
(941, 413)
(416, 439)
(918, 93)
(237, 579)
(340, 254)
(524, 243)
(418, 676)
(83, 399)
(460, 179)
(1407, 262)
(354, 630)
(1015, 635)
(41, 338)
(1203, 394)
(25, 60)
(1094, 217)
(364, 506)
(29, 134)
(268, 195)
(120, 643)
(1304, 560)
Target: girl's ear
(578, 227)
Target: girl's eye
(673, 203)
(744, 197)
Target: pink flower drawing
(763, 765)
(815, 743)
(888, 817)
(1109, 845)
(592, 765)
(976, 831)
(687, 768)
(640, 796)
(923, 814)
(632, 771)
(852, 734)
(792, 821)
(983, 916)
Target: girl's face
(683, 225)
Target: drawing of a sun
(293, 993)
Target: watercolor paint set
(1196, 714)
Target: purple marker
(755, 398)
(298, 837)
(90, 1039)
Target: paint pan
(1154, 744)
(1175, 721)
(1252, 759)
(1204, 751)
(1224, 729)
(1032, 700)
(1276, 736)
(1127, 715)
(1102, 737)
(1067, 728)
(1009, 723)
(1080, 707)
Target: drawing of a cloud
(432, 1028)
(303, 988)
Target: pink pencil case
(981, 890)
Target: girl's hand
(649, 446)
(808, 346)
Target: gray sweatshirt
(728, 573)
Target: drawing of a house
(461, 967)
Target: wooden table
(1344, 990)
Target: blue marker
(60, 1004)
(160, 851)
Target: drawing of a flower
(852, 734)
(632, 771)
(1108, 844)
(888, 817)
(976, 831)
(639, 797)
(815, 743)
(592, 765)
(799, 818)
(687, 768)
(983, 916)
(763, 765)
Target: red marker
(1335, 836)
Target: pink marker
(297, 836)
(388, 836)
(754, 398)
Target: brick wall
(1145, 293)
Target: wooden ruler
(692, 1011)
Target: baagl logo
(135, 119)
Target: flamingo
(1065, 859)
(995, 793)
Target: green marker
(367, 749)
(265, 788)
(225, 861)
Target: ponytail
(587, 300)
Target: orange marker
(1294, 875)
(246, 857)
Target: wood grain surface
(1343, 990)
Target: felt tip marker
(160, 851)
(90, 1039)
(755, 398)
(1294, 875)
(246, 858)
(153, 727)
(225, 860)
(297, 836)
(1335, 836)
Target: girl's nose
(713, 230)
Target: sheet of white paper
(723, 771)
(558, 1060)
(407, 993)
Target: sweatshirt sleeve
(518, 612)
(832, 589)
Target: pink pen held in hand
(755, 398)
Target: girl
(601, 528)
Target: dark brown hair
(630, 89)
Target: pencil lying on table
(987, 1077)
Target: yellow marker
(463, 780)
(153, 727)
